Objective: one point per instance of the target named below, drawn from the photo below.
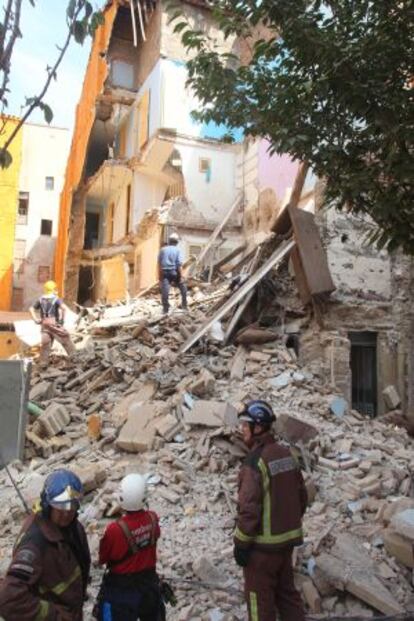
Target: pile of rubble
(130, 401)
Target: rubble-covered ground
(130, 401)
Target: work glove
(241, 556)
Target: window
(122, 74)
(204, 164)
(46, 227)
(43, 273)
(23, 208)
(17, 298)
(49, 183)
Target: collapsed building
(140, 167)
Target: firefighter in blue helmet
(49, 572)
(272, 500)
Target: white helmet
(133, 492)
(173, 237)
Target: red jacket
(114, 548)
(272, 498)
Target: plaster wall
(211, 194)
(44, 154)
(356, 268)
(148, 193)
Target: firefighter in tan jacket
(49, 571)
(272, 501)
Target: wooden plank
(312, 254)
(229, 257)
(244, 304)
(217, 231)
(280, 253)
(300, 277)
(282, 224)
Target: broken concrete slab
(238, 364)
(211, 414)
(138, 433)
(54, 419)
(91, 476)
(391, 397)
(358, 581)
(349, 567)
(282, 380)
(403, 523)
(399, 547)
(168, 427)
(140, 396)
(203, 385)
(294, 430)
(259, 356)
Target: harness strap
(132, 546)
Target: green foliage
(329, 83)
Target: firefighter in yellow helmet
(49, 312)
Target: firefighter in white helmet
(170, 262)
(131, 587)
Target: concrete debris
(391, 397)
(128, 402)
(211, 414)
(54, 419)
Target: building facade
(149, 168)
(32, 205)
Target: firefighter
(49, 572)
(131, 588)
(52, 316)
(272, 500)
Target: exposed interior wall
(148, 193)
(199, 19)
(9, 190)
(146, 253)
(142, 57)
(112, 280)
(93, 84)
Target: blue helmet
(62, 490)
(258, 412)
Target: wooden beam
(279, 254)
(229, 257)
(109, 251)
(313, 257)
(244, 304)
(217, 231)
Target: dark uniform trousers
(129, 597)
(269, 587)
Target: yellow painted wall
(93, 84)
(146, 257)
(9, 193)
(112, 279)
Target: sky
(44, 27)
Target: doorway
(364, 372)
(91, 230)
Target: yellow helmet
(50, 286)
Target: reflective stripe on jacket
(46, 580)
(272, 498)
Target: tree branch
(51, 74)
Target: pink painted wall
(277, 172)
